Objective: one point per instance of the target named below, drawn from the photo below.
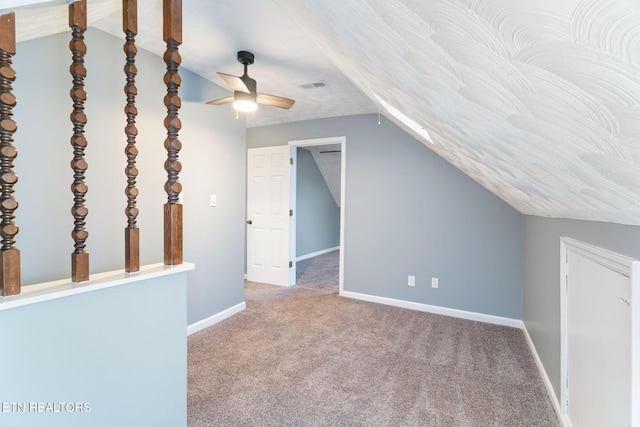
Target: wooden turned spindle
(172, 34)
(132, 232)
(78, 24)
(10, 256)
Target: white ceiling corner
(537, 101)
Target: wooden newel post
(78, 24)
(10, 256)
(172, 35)
(132, 232)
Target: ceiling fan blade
(234, 82)
(274, 101)
(221, 101)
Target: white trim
(612, 260)
(32, 294)
(462, 314)
(318, 253)
(635, 343)
(293, 206)
(218, 317)
(318, 141)
(563, 329)
(342, 141)
(564, 421)
(13, 5)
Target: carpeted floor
(304, 356)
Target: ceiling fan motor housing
(250, 84)
(245, 57)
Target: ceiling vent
(313, 85)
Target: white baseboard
(469, 315)
(564, 422)
(218, 317)
(314, 254)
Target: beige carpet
(304, 356)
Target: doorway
(272, 211)
(324, 147)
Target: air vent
(313, 85)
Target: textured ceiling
(538, 101)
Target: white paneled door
(268, 220)
(599, 343)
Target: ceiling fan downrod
(246, 58)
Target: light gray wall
(317, 216)
(121, 350)
(541, 290)
(213, 158)
(409, 212)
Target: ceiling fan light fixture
(244, 102)
(245, 106)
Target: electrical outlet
(434, 282)
(412, 281)
(213, 200)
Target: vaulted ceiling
(538, 101)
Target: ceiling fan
(245, 96)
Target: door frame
(620, 264)
(293, 146)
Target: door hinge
(290, 264)
(290, 160)
(290, 212)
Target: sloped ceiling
(538, 101)
(328, 159)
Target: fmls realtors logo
(44, 407)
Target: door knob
(249, 222)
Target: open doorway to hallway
(317, 202)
